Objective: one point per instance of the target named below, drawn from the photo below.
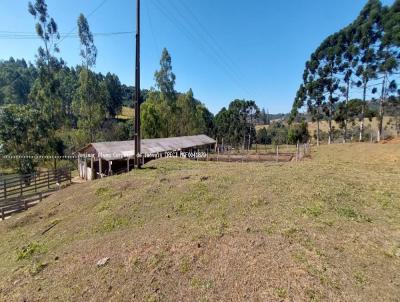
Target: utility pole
(137, 89)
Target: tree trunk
(381, 111)
(363, 112)
(318, 131)
(346, 113)
(330, 138)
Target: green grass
(322, 229)
(27, 252)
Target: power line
(212, 47)
(156, 46)
(88, 16)
(213, 40)
(188, 32)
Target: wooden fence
(20, 192)
(268, 154)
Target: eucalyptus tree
(165, 78)
(90, 102)
(165, 82)
(45, 91)
(114, 88)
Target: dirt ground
(395, 141)
(324, 229)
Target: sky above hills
(222, 49)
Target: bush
(298, 133)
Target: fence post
(91, 167)
(277, 153)
(297, 152)
(35, 183)
(48, 179)
(20, 186)
(2, 214)
(5, 188)
(40, 196)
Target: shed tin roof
(124, 149)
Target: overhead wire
(188, 32)
(215, 43)
(88, 16)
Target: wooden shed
(107, 158)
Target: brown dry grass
(325, 229)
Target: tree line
(49, 108)
(362, 58)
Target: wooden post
(2, 214)
(110, 168)
(100, 166)
(86, 178)
(277, 153)
(35, 182)
(127, 165)
(297, 152)
(48, 179)
(20, 186)
(5, 188)
(79, 166)
(40, 196)
(92, 176)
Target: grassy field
(324, 229)
(126, 113)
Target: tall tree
(165, 82)
(348, 51)
(165, 78)
(45, 91)
(388, 57)
(91, 95)
(114, 102)
(329, 58)
(367, 35)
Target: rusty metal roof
(125, 149)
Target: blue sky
(222, 49)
